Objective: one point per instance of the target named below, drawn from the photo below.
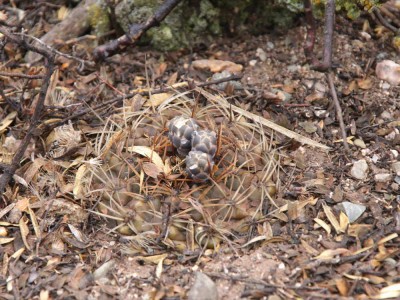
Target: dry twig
(326, 65)
(135, 31)
(35, 120)
(120, 98)
(339, 112)
(21, 75)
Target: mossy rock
(195, 22)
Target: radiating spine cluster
(199, 146)
(132, 191)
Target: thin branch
(393, 18)
(326, 63)
(35, 121)
(165, 221)
(311, 28)
(16, 106)
(83, 62)
(263, 282)
(11, 74)
(135, 31)
(13, 37)
(339, 112)
(383, 21)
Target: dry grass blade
(35, 223)
(265, 122)
(4, 241)
(6, 210)
(332, 219)
(323, 225)
(24, 231)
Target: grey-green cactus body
(205, 141)
(180, 133)
(199, 165)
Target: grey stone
(260, 53)
(396, 167)
(203, 288)
(359, 169)
(384, 177)
(352, 211)
(224, 74)
(360, 143)
(104, 269)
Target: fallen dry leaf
(151, 170)
(342, 286)
(323, 225)
(156, 99)
(7, 121)
(35, 223)
(365, 84)
(331, 217)
(149, 153)
(23, 227)
(331, 253)
(389, 292)
(5, 240)
(78, 183)
(216, 65)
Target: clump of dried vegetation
(137, 181)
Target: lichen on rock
(99, 18)
(183, 27)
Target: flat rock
(389, 71)
(359, 169)
(384, 177)
(353, 211)
(360, 143)
(396, 167)
(203, 288)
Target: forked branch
(135, 31)
(8, 171)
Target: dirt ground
(312, 252)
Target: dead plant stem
(339, 112)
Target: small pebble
(389, 71)
(293, 68)
(365, 35)
(309, 127)
(253, 62)
(385, 177)
(260, 53)
(353, 211)
(386, 115)
(320, 113)
(386, 86)
(365, 152)
(359, 169)
(396, 167)
(360, 143)
(381, 56)
(203, 288)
